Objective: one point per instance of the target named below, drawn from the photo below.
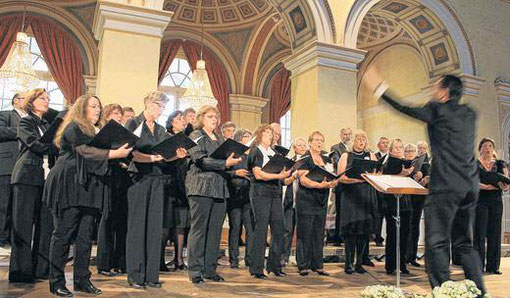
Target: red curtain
(169, 49)
(9, 26)
(62, 56)
(217, 75)
(280, 95)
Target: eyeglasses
(158, 104)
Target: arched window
(174, 84)
(285, 127)
(46, 81)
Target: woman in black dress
(311, 205)
(31, 220)
(76, 193)
(176, 216)
(489, 210)
(238, 206)
(266, 203)
(207, 191)
(397, 151)
(359, 212)
(111, 246)
(146, 195)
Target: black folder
(394, 165)
(318, 174)
(281, 150)
(50, 133)
(276, 164)
(168, 148)
(492, 178)
(113, 136)
(361, 166)
(228, 147)
(418, 163)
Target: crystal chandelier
(17, 73)
(199, 92)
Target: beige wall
(403, 69)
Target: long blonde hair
(78, 115)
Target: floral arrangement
(449, 289)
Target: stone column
(246, 110)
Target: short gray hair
(155, 96)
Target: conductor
(451, 204)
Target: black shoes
(60, 290)
(278, 273)
(197, 280)
(321, 272)
(154, 284)
(107, 273)
(216, 278)
(135, 285)
(404, 270)
(259, 275)
(414, 263)
(368, 263)
(349, 270)
(359, 269)
(304, 272)
(87, 287)
(497, 272)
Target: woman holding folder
(146, 195)
(311, 204)
(32, 224)
(176, 215)
(489, 210)
(396, 156)
(111, 239)
(266, 202)
(359, 212)
(76, 193)
(207, 191)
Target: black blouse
(312, 200)
(498, 167)
(206, 175)
(261, 187)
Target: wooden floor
(240, 284)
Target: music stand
(397, 186)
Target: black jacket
(451, 128)
(9, 122)
(28, 169)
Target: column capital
(147, 19)
(326, 55)
(503, 89)
(90, 84)
(247, 103)
(472, 84)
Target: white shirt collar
(266, 153)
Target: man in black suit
(454, 182)
(9, 122)
(339, 149)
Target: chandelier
(17, 73)
(199, 92)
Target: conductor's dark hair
(454, 86)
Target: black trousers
(5, 208)
(289, 225)
(448, 216)
(74, 223)
(204, 238)
(417, 203)
(32, 226)
(310, 241)
(489, 214)
(391, 238)
(338, 205)
(239, 216)
(354, 246)
(145, 222)
(268, 212)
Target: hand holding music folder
(49, 134)
(113, 136)
(227, 148)
(361, 166)
(168, 148)
(493, 178)
(277, 163)
(318, 174)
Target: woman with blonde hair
(76, 193)
(266, 202)
(207, 191)
(359, 212)
(31, 220)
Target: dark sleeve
(255, 159)
(29, 137)
(424, 113)
(131, 125)
(501, 165)
(7, 132)
(198, 155)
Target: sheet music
(393, 181)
